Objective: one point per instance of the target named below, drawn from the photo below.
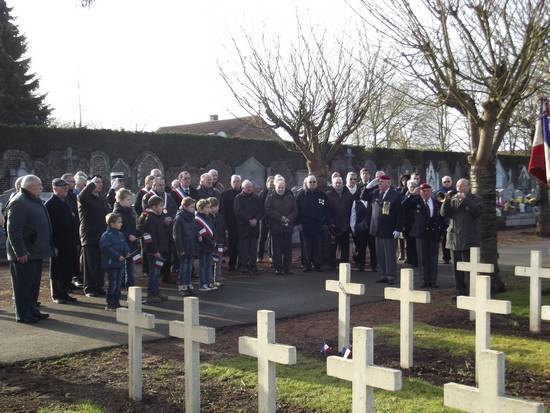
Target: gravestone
(253, 170)
(545, 312)
(283, 168)
(490, 397)
(483, 306)
(100, 165)
(432, 178)
(405, 167)
(535, 273)
(458, 172)
(524, 180)
(406, 295)
(224, 171)
(12, 161)
(265, 349)
(349, 159)
(193, 335)
(145, 162)
(502, 176)
(70, 159)
(137, 321)
(443, 170)
(371, 167)
(121, 166)
(508, 193)
(362, 372)
(344, 288)
(339, 164)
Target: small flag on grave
(136, 258)
(326, 349)
(346, 352)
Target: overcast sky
(142, 64)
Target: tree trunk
(543, 217)
(483, 180)
(318, 166)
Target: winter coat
(227, 203)
(206, 235)
(339, 205)
(180, 193)
(112, 245)
(383, 225)
(360, 217)
(185, 232)
(246, 207)
(279, 206)
(204, 193)
(138, 204)
(29, 231)
(313, 212)
(170, 207)
(129, 224)
(151, 223)
(92, 209)
(424, 226)
(219, 229)
(463, 231)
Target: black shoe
(70, 299)
(78, 284)
(40, 316)
(38, 303)
(101, 293)
(318, 269)
(28, 320)
(288, 272)
(306, 269)
(425, 285)
(382, 280)
(59, 300)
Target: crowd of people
(185, 230)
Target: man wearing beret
(65, 238)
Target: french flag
(539, 163)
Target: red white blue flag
(539, 164)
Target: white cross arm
(478, 267)
(545, 315)
(350, 288)
(492, 306)
(200, 334)
(340, 368)
(529, 272)
(248, 346)
(282, 354)
(383, 378)
(421, 297)
(142, 320)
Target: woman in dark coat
(264, 224)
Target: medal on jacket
(386, 208)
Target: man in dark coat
(386, 225)
(463, 211)
(409, 243)
(339, 205)
(65, 238)
(148, 185)
(446, 186)
(426, 230)
(227, 202)
(29, 243)
(281, 210)
(73, 202)
(92, 208)
(361, 213)
(184, 188)
(313, 219)
(205, 189)
(248, 212)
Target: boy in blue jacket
(185, 233)
(113, 249)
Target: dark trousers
(460, 276)
(232, 246)
(312, 250)
(341, 242)
(167, 267)
(264, 240)
(446, 251)
(371, 241)
(25, 281)
(94, 277)
(247, 253)
(61, 273)
(428, 255)
(361, 242)
(114, 278)
(282, 250)
(144, 261)
(387, 260)
(412, 254)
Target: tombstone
(121, 166)
(224, 171)
(483, 306)
(253, 170)
(362, 372)
(474, 267)
(339, 164)
(349, 160)
(406, 295)
(301, 176)
(70, 160)
(268, 353)
(524, 180)
(143, 165)
(545, 312)
(535, 272)
(502, 176)
(432, 178)
(405, 167)
(137, 321)
(442, 170)
(11, 161)
(371, 167)
(508, 193)
(21, 170)
(100, 165)
(344, 288)
(458, 173)
(392, 173)
(490, 397)
(283, 168)
(193, 335)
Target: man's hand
(461, 195)
(253, 222)
(157, 255)
(131, 238)
(168, 220)
(23, 259)
(396, 234)
(121, 258)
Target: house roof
(250, 127)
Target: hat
(57, 182)
(425, 186)
(384, 178)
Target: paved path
(86, 325)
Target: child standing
(206, 245)
(185, 233)
(123, 206)
(152, 222)
(219, 237)
(113, 249)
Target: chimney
(213, 118)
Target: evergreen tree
(19, 102)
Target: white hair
(247, 182)
(29, 180)
(213, 170)
(378, 174)
(445, 177)
(205, 175)
(233, 177)
(411, 181)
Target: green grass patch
(520, 300)
(83, 406)
(307, 385)
(522, 353)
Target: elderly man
(184, 188)
(65, 238)
(92, 208)
(410, 253)
(215, 181)
(386, 225)
(248, 212)
(147, 186)
(463, 210)
(446, 186)
(28, 244)
(313, 219)
(73, 202)
(226, 207)
(281, 209)
(340, 201)
(426, 230)
(205, 189)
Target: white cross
(137, 321)
(475, 268)
(490, 397)
(483, 306)
(407, 296)
(268, 353)
(535, 272)
(344, 288)
(362, 372)
(545, 313)
(193, 335)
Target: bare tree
(479, 57)
(317, 90)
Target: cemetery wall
(50, 152)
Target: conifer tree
(19, 101)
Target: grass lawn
(81, 407)
(520, 300)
